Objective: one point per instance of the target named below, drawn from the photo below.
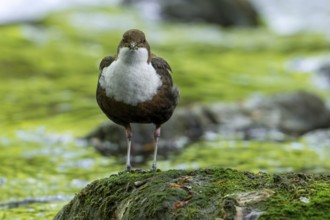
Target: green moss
(291, 207)
(206, 194)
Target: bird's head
(134, 44)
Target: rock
(185, 127)
(293, 113)
(110, 140)
(231, 115)
(223, 12)
(271, 117)
(202, 194)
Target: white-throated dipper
(135, 86)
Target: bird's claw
(140, 171)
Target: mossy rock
(202, 194)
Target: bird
(135, 86)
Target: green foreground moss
(202, 194)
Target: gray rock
(186, 126)
(293, 113)
(223, 12)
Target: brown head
(134, 39)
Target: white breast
(130, 79)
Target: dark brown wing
(168, 93)
(100, 92)
(163, 69)
(106, 61)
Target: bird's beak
(133, 45)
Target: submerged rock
(202, 194)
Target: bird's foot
(127, 170)
(153, 168)
(130, 170)
(139, 171)
(122, 172)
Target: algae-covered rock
(202, 194)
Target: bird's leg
(129, 142)
(156, 136)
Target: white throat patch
(130, 79)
